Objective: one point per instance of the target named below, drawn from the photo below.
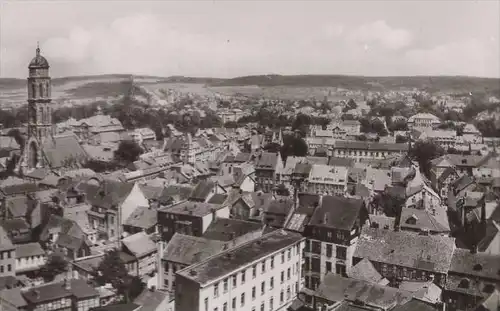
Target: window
(243, 277)
(316, 247)
(272, 262)
(233, 305)
(254, 272)
(262, 307)
(9, 267)
(242, 299)
(224, 306)
(216, 309)
(253, 292)
(225, 286)
(283, 257)
(329, 250)
(262, 288)
(234, 280)
(216, 290)
(328, 266)
(282, 297)
(271, 283)
(341, 252)
(264, 266)
(8, 255)
(271, 304)
(206, 304)
(1, 269)
(289, 254)
(288, 293)
(282, 276)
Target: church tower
(40, 126)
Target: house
(7, 255)
(278, 212)
(463, 164)
(261, 272)
(66, 235)
(402, 255)
(205, 189)
(228, 229)
(267, 166)
(139, 254)
(248, 205)
(423, 121)
(11, 299)
(331, 235)
(360, 150)
(183, 251)
(71, 294)
(423, 220)
(188, 217)
(155, 300)
(112, 204)
(29, 257)
(143, 219)
(18, 230)
(327, 180)
(472, 277)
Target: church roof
(38, 61)
(63, 151)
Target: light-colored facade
(360, 150)
(7, 255)
(29, 257)
(423, 120)
(263, 274)
(329, 180)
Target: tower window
(33, 90)
(41, 89)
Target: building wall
(235, 292)
(364, 154)
(134, 199)
(147, 264)
(30, 263)
(8, 262)
(207, 219)
(86, 304)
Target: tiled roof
(433, 221)
(29, 249)
(14, 297)
(139, 244)
(430, 253)
(337, 212)
(143, 217)
(226, 262)
(225, 229)
(382, 221)
(198, 209)
(490, 243)
(202, 190)
(64, 151)
(337, 288)
(478, 264)
(346, 162)
(365, 271)
(267, 161)
(188, 250)
(53, 291)
(150, 300)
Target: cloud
(382, 34)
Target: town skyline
(233, 39)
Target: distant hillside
(440, 83)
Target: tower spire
(37, 48)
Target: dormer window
(464, 283)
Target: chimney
(325, 217)
(67, 284)
(159, 255)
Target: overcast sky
(234, 38)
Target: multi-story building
(143, 134)
(328, 180)
(444, 138)
(29, 257)
(262, 274)
(345, 128)
(360, 150)
(191, 218)
(139, 254)
(472, 278)
(266, 170)
(7, 255)
(69, 295)
(332, 233)
(406, 256)
(423, 121)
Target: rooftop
(48, 292)
(198, 209)
(139, 244)
(431, 253)
(241, 256)
(337, 212)
(372, 146)
(188, 250)
(225, 229)
(478, 264)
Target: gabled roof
(226, 229)
(365, 271)
(139, 244)
(187, 249)
(143, 217)
(475, 264)
(436, 222)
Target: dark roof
(188, 250)
(478, 264)
(234, 258)
(226, 229)
(492, 233)
(267, 161)
(217, 198)
(337, 288)
(39, 61)
(336, 161)
(48, 292)
(416, 305)
(175, 191)
(118, 307)
(143, 217)
(150, 300)
(202, 190)
(302, 168)
(64, 151)
(337, 212)
(365, 145)
(19, 189)
(431, 253)
(198, 209)
(108, 194)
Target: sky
(214, 38)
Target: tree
(398, 125)
(128, 151)
(112, 270)
(401, 139)
(16, 134)
(293, 146)
(423, 152)
(54, 266)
